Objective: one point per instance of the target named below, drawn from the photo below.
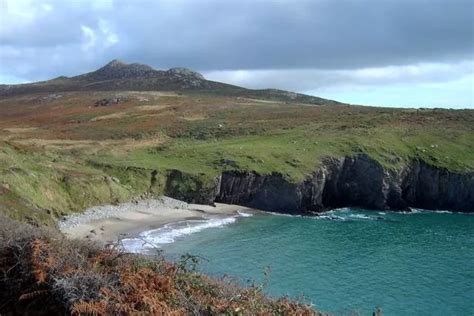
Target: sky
(417, 53)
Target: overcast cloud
(338, 49)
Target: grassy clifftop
(60, 153)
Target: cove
(348, 260)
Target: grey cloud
(300, 34)
(303, 80)
(247, 34)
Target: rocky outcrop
(184, 73)
(117, 69)
(191, 188)
(357, 181)
(268, 192)
(110, 101)
(350, 181)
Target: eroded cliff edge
(352, 181)
(357, 181)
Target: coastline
(108, 223)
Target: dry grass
(110, 116)
(20, 129)
(43, 273)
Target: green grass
(297, 153)
(200, 135)
(44, 185)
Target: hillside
(127, 130)
(120, 76)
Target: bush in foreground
(45, 274)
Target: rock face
(268, 192)
(184, 73)
(350, 181)
(191, 188)
(432, 188)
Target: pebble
(107, 211)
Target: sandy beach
(108, 223)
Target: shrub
(44, 273)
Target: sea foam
(169, 233)
(243, 214)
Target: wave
(348, 217)
(443, 212)
(169, 233)
(331, 217)
(362, 216)
(340, 214)
(348, 214)
(243, 214)
(286, 215)
(411, 211)
(418, 210)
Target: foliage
(46, 274)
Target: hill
(127, 130)
(120, 76)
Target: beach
(108, 223)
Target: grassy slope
(53, 151)
(42, 180)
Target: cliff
(31, 190)
(357, 181)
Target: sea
(345, 262)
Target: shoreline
(109, 223)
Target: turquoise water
(353, 261)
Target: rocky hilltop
(117, 69)
(182, 78)
(118, 75)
